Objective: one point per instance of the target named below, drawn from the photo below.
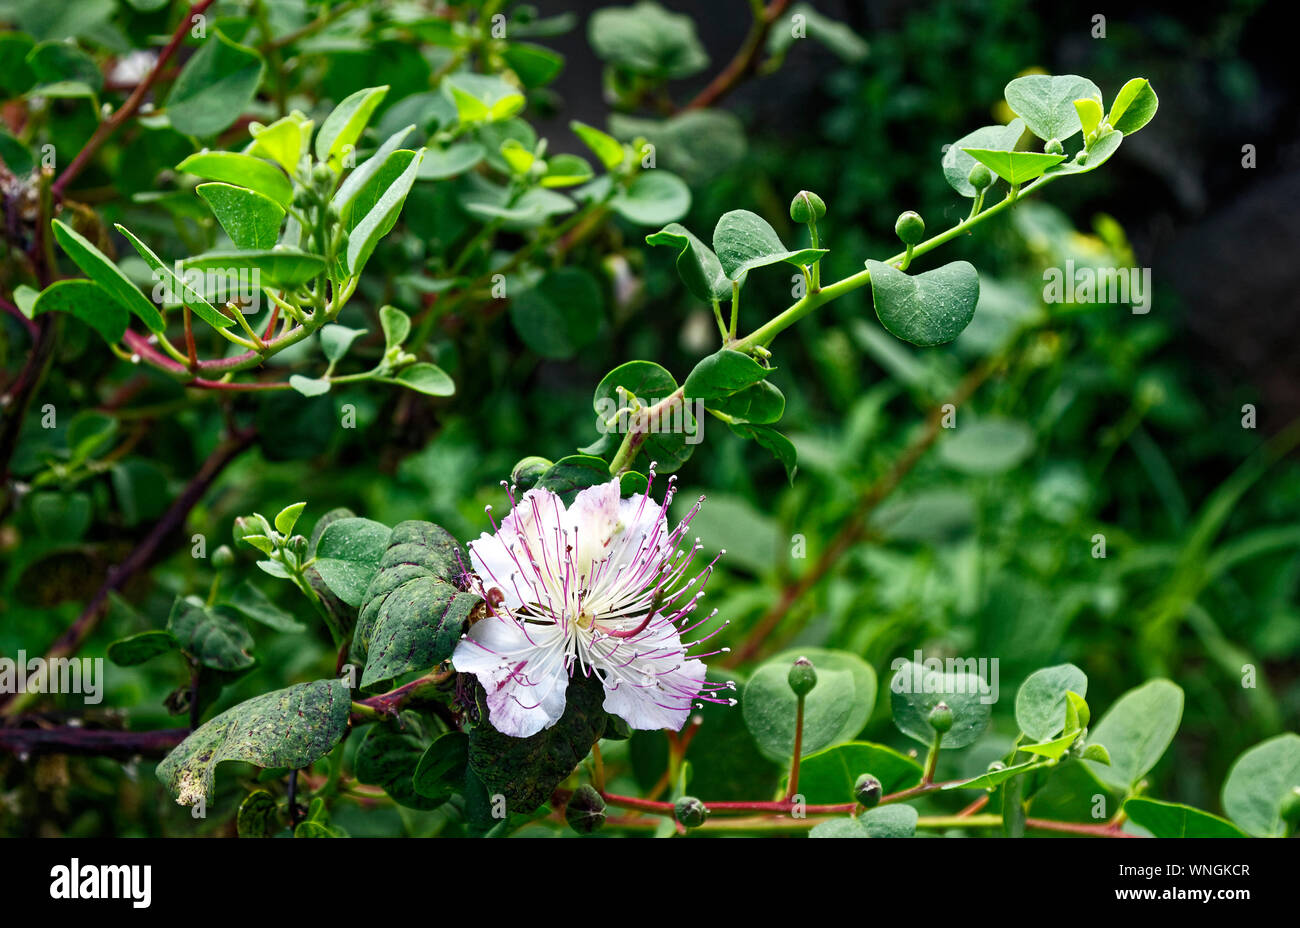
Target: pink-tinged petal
(593, 520)
(660, 700)
(649, 681)
(522, 674)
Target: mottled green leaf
(413, 613)
(289, 728)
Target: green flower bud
(807, 207)
(910, 228)
(322, 175)
(303, 198)
(245, 526)
(867, 791)
(690, 812)
(585, 810)
(1290, 808)
(980, 177)
(528, 471)
(802, 677)
(297, 545)
(1054, 147)
(223, 557)
(941, 718)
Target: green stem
(793, 788)
(773, 327)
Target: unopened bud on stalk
(941, 718)
(980, 177)
(910, 228)
(867, 791)
(802, 677)
(807, 207)
(690, 812)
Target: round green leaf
(834, 712)
(647, 39)
(697, 265)
(1040, 703)
(829, 776)
(1174, 820)
(1257, 783)
(214, 87)
(652, 199)
(1136, 731)
(1046, 103)
(743, 241)
(925, 309)
(896, 820)
(916, 689)
(560, 314)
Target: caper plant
(517, 680)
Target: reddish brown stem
(96, 742)
(856, 525)
(746, 59)
(131, 105)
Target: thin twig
(746, 59)
(855, 527)
(132, 103)
(142, 556)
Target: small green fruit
(867, 791)
(585, 810)
(807, 207)
(980, 177)
(941, 718)
(690, 812)
(910, 228)
(802, 677)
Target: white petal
(594, 519)
(639, 516)
(525, 681)
(521, 558)
(652, 691)
(492, 562)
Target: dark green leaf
(413, 613)
(526, 770)
(127, 652)
(104, 272)
(214, 87)
(925, 309)
(286, 728)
